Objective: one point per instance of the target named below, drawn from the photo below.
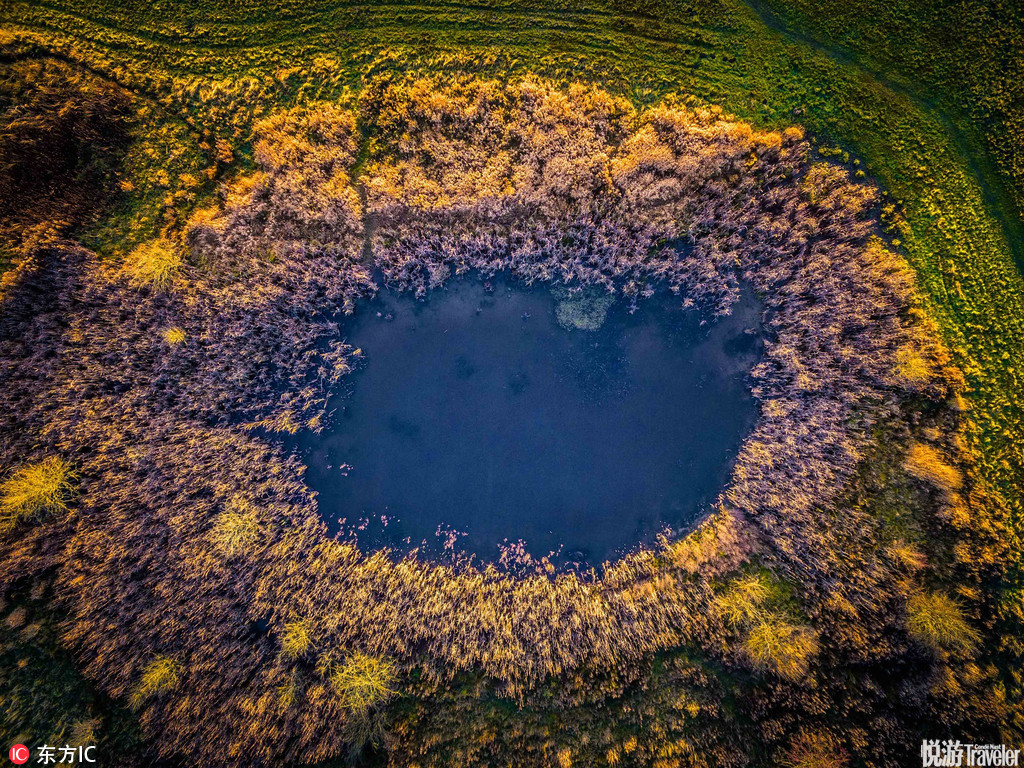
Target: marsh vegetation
(812, 613)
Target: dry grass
(296, 640)
(35, 490)
(926, 463)
(362, 681)
(156, 263)
(237, 528)
(937, 621)
(160, 676)
(744, 601)
(776, 645)
(174, 336)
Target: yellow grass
(174, 336)
(160, 676)
(775, 645)
(156, 263)
(34, 490)
(363, 681)
(937, 621)
(296, 639)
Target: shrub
(174, 336)
(289, 691)
(156, 263)
(363, 681)
(816, 751)
(775, 645)
(34, 490)
(937, 621)
(912, 366)
(296, 639)
(237, 528)
(160, 676)
(926, 463)
(743, 602)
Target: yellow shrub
(160, 676)
(743, 601)
(775, 645)
(937, 621)
(296, 639)
(155, 263)
(912, 366)
(236, 529)
(174, 336)
(363, 681)
(35, 490)
(926, 463)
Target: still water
(492, 413)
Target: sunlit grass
(938, 621)
(362, 681)
(156, 263)
(926, 463)
(160, 676)
(237, 528)
(776, 645)
(174, 336)
(296, 640)
(744, 601)
(35, 490)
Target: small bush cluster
(34, 490)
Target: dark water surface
(476, 420)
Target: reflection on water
(478, 420)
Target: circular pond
(498, 420)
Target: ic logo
(19, 754)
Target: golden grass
(160, 676)
(362, 681)
(156, 263)
(937, 621)
(776, 645)
(35, 490)
(926, 463)
(237, 528)
(743, 602)
(296, 639)
(174, 336)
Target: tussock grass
(744, 601)
(296, 640)
(174, 336)
(938, 621)
(237, 528)
(362, 681)
(35, 490)
(156, 263)
(160, 676)
(926, 463)
(774, 644)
